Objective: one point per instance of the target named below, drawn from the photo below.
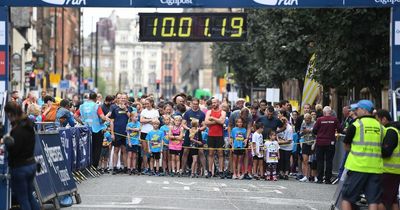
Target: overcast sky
(92, 15)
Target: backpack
(51, 115)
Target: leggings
(284, 160)
(271, 169)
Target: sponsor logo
(387, 1)
(283, 2)
(66, 2)
(176, 2)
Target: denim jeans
(22, 186)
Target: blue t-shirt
(107, 139)
(226, 127)
(204, 136)
(165, 129)
(133, 135)
(190, 115)
(238, 135)
(155, 138)
(120, 119)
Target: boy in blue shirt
(155, 138)
(132, 143)
(105, 149)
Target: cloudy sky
(92, 15)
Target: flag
(311, 87)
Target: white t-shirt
(272, 151)
(287, 134)
(258, 139)
(148, 114)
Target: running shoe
(304, 179)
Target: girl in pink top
(175, 144)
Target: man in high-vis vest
(391, 161)
(364, 163)
(91, 114)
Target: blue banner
(84, 147)
(54, 154)
(204, 3)
(66, 142)
(45, 188)
(395, 56)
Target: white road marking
(223, 185)
(183, 183)
(245, 190)
(136, 201)
(186, 188)
(165, 182)
(216, 189)
(107, 206)
(278, 192)
(252, 185)
(149, 182)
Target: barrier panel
(5, 193)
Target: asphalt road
(149, 192)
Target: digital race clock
(206, 27)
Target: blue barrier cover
(55, 156)
(43, 180)
(4, 182)
(66, 142)
(84, 147)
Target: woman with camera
(21, 157)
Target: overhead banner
(204, 3)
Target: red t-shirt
(325, 129)
(215, 129)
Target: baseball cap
(365, 104)
(353, 107)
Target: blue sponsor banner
(204, 3)
(60, 174)
(66, 142)
(45, 187)
(84, 147)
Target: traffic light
(32, 80)
(85, 84)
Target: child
(155, 138)
(133, 130)
(105, 150)
(256, 150)
(195, 142)
(175, 144)
(271, 156)
(165, 152)
(238, 141)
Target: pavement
(150, 192)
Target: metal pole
(80, 52)
(55, 46)
(97, 56)
(91, 52)
(62, 47)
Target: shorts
(186, 139)
(105, 152)
(239, 152)
(175, 152)
(194, 152)
(357, 183)
(306, 149)
(119, 141)
(155, 155)
(165, 148)
(390, 183)
(143, 136)
(215, 142)
(255, 157)
(133, 148)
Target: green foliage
(352, 47)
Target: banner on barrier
(54, 154)
(45, 188)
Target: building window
(123, 64)
(152, 66)
(137, 64)
(138, 54)
(168, 66)
(124, 54)
(168, 79)
(106, 63)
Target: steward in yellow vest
(364, 163)
(391, 161)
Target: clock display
(207, 27)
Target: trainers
(241, 177)
(234, 176)
(267, 178)
(222, 175)
(315, 179)
(275, 178)
(304, 179)
(247, 177)
(130, 172)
